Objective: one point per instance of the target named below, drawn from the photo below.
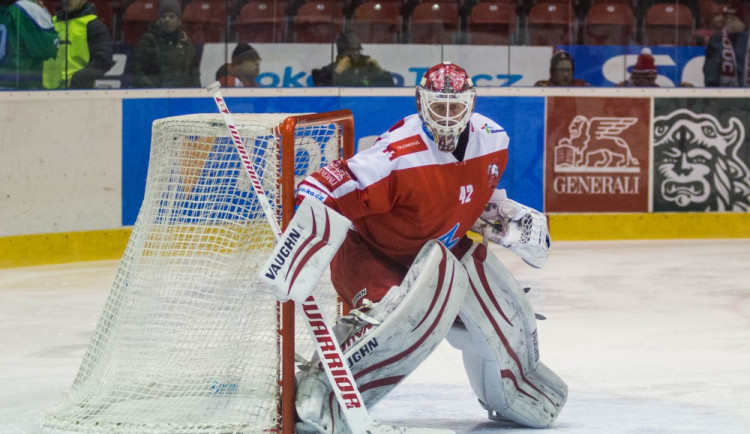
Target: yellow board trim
(585, 227)
(58, 248)
(42, 249)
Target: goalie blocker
(304, 251)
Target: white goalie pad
(385, 344)
(304, 251)
(498, 338)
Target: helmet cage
(445, 124)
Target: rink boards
(602, 163)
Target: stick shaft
(333, 361)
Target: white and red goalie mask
(445, 102)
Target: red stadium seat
(205, 21)
(551, 24)
(434, 23)
(136, 19)
(318, 21)
(609, 24)
(668, 24)
(492, 23)
(375, 22)
(261, 21)
(105, 12)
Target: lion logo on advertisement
(595, 145)
(696, 162)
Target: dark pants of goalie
(389, 341)
(497, 335)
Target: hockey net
(189, 340)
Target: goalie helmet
(445, 102)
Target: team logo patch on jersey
(406, 146)
(490, 130)
(334, 174)
(493, 175)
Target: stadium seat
(136, 19)
(493, 23)
(261, 21)
(551, 24)
(434, 23)
(106, 12)
(668, 24)
(376, 23)
(318, 21)
(609, 24)
(205, 21)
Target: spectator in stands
(242, 70)
(561, 72)
(351, 67)
(727, 52)
(165, 56)
(85, 51)
(644, 71)
(30, 38)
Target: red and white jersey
(403, 191)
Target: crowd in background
(72, 47)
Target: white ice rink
(651, 337)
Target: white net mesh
(188, 340)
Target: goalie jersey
(403, 192)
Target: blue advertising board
(522, 117)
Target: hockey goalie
(410, 275)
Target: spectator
(644, 72)
(561, 72)
(242, 70)
(164, 56)
(85, 51)
(726, 54)
(30, 39)
(351, 67)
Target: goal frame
(345, 119)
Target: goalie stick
(334, 363)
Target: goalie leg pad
(498, 338)
(397, 335)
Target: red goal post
(345, 118)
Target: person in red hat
(727, 53)
(644, 71)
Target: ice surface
(651, 337)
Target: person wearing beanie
(242, 70)
(561, 72)
(165, 56)
(86, 48)
(352, 68)
(644, 71)
(727, 52)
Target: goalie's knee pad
(387, 343)
(498, 338)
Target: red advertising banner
(597, 154)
